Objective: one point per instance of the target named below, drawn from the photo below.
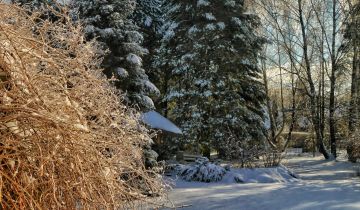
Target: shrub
(202, 171)
(272, 158)
(67, 141)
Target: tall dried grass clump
(67, 141)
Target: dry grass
(67, 141)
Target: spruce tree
(110, 22)
(209, 53)
(148, 16)
(35, 4)
(47, 7)
(352, 34)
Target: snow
(188, 57)
(148, 21)
(89, 29)
(210, 16)
(134, 59)
(210, 27)
(221, 25)
(105, 33)
(107, 9)
(241, 37)
(322, 185)
(122, 72)
(230, 3)
(267, 123)
(151, 87)
(193, 30)
(279, 174)
(174, 8)
(170, 32)
(249, 13)
(195, 115)
(237, 21)
(148, 101)
(173, 94)
(216, 173)
(202, 82)
(220, 84)
(61, 2)
(203, 3)
(134, 36)
(157, 121)
(207, 93)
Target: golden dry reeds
(67, 141)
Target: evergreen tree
(148, 16)
(46, 6)
(209, 53)
(109, 22)
(352, 34)
(35, 4)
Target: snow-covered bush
(202, 171)
(279, 174)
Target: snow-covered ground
(322, 185)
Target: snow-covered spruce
(211, 77)
(112, 24)
(201, 171)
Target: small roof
(157, 121)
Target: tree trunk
(332, 123)
(312, 91)
(322, 86)
(293, 111)
(268, 106)
(353, 109)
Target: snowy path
(324, 186)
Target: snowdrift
(67, 142)
(279, 174)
